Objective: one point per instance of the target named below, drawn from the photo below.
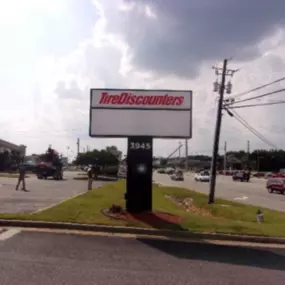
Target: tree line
(106, 159)
(258, 160)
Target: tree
(102, 158)
(163, 162)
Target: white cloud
(50, 105)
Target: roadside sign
(140, 115)
(155, 113)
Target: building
(11, 147)
(10, 154)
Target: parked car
(241, 176)
(203, 176)
(258, 175)
(169, 170)
(161, 170)
(268, 175)
(275, 184)
(178, 176)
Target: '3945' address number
(138, 145)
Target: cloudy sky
(53, 51)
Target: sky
(53, 51)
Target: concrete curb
(140, 231)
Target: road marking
(9, 233)
(58, 203)
(241, 198)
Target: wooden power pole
(224, 72)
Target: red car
(276, 184)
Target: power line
(258, 88)
(257, 97)
(251, 129)
(256, 105)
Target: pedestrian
(22, 174)
(90, 177)
(92, 174)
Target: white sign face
(156, 113)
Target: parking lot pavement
(253, 193)
(42, 193)
(51, 258)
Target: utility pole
(221, 88)
(225, 158)
(248, 151)
(179, 150)
(257, 161)
(186, 154)
(78, 146)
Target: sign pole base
(139, 174)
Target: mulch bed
(155, 219)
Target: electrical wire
(256, 105)
(249, 127)
(255, 132)
(257, 97)
(252, 130)
(257, 88)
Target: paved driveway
(42, 193)
(253, 192)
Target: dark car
(241, 176)
(30, 167)
(161, 171)
(45, 170)
(178, 176)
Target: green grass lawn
(221, 217)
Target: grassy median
(221, 217)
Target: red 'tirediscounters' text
(126, 98)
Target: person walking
(90, 177)
(92, 174)
(21, 179)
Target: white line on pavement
(241, 198)
(9, 233)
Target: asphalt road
(48, 258)
(42, 193)
(253, 192)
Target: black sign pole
(139, 174)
